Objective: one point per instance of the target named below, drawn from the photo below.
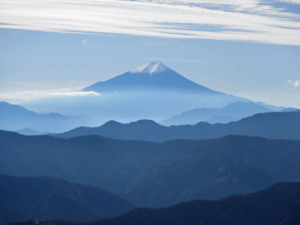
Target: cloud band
(236, 20)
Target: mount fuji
(155, 91)
(148, 77)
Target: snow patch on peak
(151, 68)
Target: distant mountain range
(151, 91)
(15, 117)
(277, 205)
(277, 125)
(45, 198)
(153, 174)
(231, 112)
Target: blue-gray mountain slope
(155, 174)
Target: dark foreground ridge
(25, 198)
(278, 205)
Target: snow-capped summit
(150, 67)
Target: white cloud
(237, 20)
(36, 94)
(290, 1)
(295, 83)
(84, 42)
(74, 93)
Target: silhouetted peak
(151, 68)
(111, 123)
(145, 123)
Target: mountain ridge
(282, 125)
(186, 169)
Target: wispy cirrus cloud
(290, 1)
(235, 20)
(295, 83)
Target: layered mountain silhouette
(45, 198)
(155, 174)
(277, 205)
(231, 112)
(15, 117)
(277, 125)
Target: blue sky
(249, 48)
